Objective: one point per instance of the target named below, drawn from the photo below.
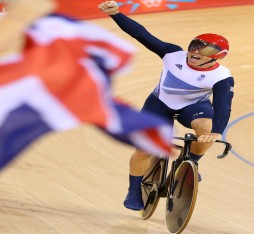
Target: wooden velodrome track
(75, 182)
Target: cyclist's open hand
(109, 7)
(212, 137)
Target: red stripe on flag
(158, 140)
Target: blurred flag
(3, 11)
(61, 80)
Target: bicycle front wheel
(182, 198)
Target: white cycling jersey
(181, 85)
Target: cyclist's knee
(140, 155)
(202, 126)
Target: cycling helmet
(211, 45)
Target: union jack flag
(62, 79)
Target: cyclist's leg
(199, 118)
(201, 126)
(140, 161)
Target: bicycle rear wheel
(150, 186)
(181, 202)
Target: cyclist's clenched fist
(109, 7)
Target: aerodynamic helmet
(211, 45)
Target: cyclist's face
(194, 59)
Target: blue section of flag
(21, 127)
(136, 122)
(132, 120)
(24, 125)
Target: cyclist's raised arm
(138, 31)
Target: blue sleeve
(139, 32)
(222, 100)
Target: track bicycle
(179, 186)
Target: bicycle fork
(171, 187)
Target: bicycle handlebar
(191, 137)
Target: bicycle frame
(179, 187)
(162, 191)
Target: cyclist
(187, 81)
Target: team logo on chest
(180, 66)
(200, 78)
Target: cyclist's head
(210, 45)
